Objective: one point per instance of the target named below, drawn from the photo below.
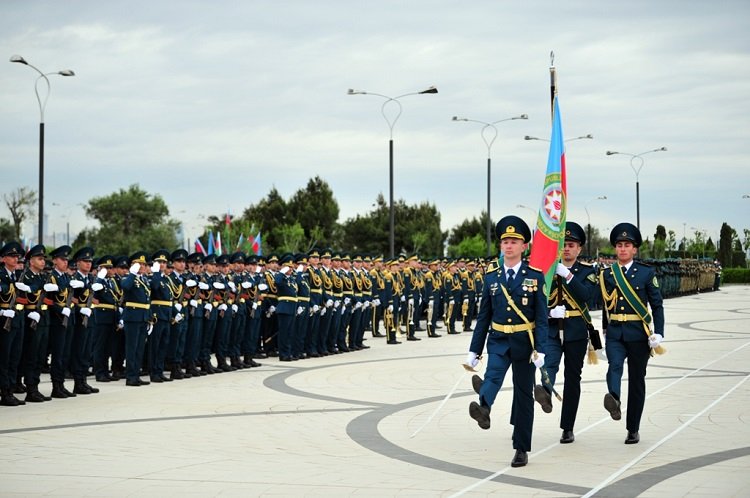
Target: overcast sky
(210, 104)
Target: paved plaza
(345, 425)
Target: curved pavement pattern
(342, 426)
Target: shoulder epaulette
(536, 269)
(586, 263)
(492, 267)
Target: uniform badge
(493, 289)
(656, 282)
(529, 282)
(591, 277)
(525, 301)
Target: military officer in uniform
(572, 288)
(106, 317)
(11, 323)
(629, 288)
(514, 314)
(286, 308)
(137, 317)
(433, 284)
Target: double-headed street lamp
(42, 105)
(588, 221)
(391, 121)
(637, 157)
(489, 134)
(582, 137)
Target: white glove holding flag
(562, 271)
(557, 312)
(654, 340)
(23, 287)
(101, 273)
(539, 360)
(96, 287)
(472, 360)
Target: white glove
(235, 308)
(557, 312)
(9, 313)
(155, 267)
(51, 288)
(86, 311)
(271, 310)
(403, 299)
(472, 359)
(178, 307)
(451, 302)
(191, 283)
(376, 302)
(96, 287)
(466, 301)
(246, 285)
(232, 286)
(149, 329)
(193, 303)
(65, 311)
(222, 307)
(562, 270)
(255, 306)
(203, 286)
(34, 316)
(411, 301)
(299, 268)
(101, 273)
(300, 309)
(329, 303)
(284, 270)
(322, 312)
(390, 308)
(208, 307)
(357, 305)
(134, 269)
(262, 287)
(539, 361)
(316, 308)
(347, 300)
(336, 304)
(120, 324)
(654, 340)
(23, 287)
(366, 304)
(219, 285)
(76, 284)
(119, 310)
(178, 318)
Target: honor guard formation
(172, 315)
(525, 329)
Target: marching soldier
(569, 324)
(410, 297)
(628, 289)
(514, 313)
(390, 302)
(378, 290)
(452, 286)
(316, 303)
(269, 320)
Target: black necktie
(624, 270)
(510, 276)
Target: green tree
(20, 203)
(470, 247)
(468, 229)
(129, 220)
(270, 212)
(7, 231)
(661, 233)
(291, 237)
(316, 211)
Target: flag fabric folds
(257, 249)
(199, 247)
(218, 251)
(211, 243)
(549, 236)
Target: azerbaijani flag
(549, 237)
(257, 249)
(218, 244)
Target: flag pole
(552, 84)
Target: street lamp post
(42, 105)
(588, 221)
(489, 134)
(637, 171)
(582, 137)
(391, 121)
